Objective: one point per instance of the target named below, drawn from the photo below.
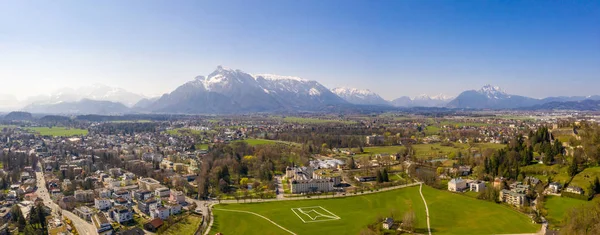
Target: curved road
(82, 226)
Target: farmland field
(347, 215)
(58, 131)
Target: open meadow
(424, 151)
(558, 207)
(450, 214)
(58, 131)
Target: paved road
(82, 226)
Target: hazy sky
(395, 48)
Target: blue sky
(395, 48)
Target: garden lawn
(450, 214)
(58, 131)
(189, 225)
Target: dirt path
(426, 208)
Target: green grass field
(584, 178)
(256, 142)
(189, 225)
(542, 172)
(58, 131)
(428, 150)
(450, 214)
(558, 207)
(302, 120)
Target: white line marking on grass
(426, 209)
(298, 215)
(248, 212)
(305, 211)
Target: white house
(574, 189)
(457, 185)
(175, 208)
(477, 186)
(161, 212)
(554, 187)
(176, 197)
(102, 204)
(121, 214)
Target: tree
(351, 163)
(379, 177)
(409, 221)
(573, 168)
(384, 175)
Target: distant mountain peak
(359, 96)
(274, 77)
(488, 88)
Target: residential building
(512, 197)
(162, 192)
(83, 212)
(174, 208)
(142, 195)
(147, 206)
(148, 184)
(67, 203)
(102, 224)
(176, 197)
(574, 189)
(121, 214)
(122, 194)
(66, 185)
(457, 185)
(388, 223)
(160, 212)
(477, 186)
(375, 140)
(102, 204)
(554, 187)
(84, 195)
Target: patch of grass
(188, 225)
(201, 146)
(542, 172)
(463, 124)
(58, 131)
(558, 207)
(584, 178)
(451, 214)
(183, 131)
(428, 150)
(301, 120)
(432, 130)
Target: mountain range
(234, 91)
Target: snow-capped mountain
(431, 101)
(95, 92)
(231, 91)
(491, 97)
(422, 101)
(359, 96)
(83, 106)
